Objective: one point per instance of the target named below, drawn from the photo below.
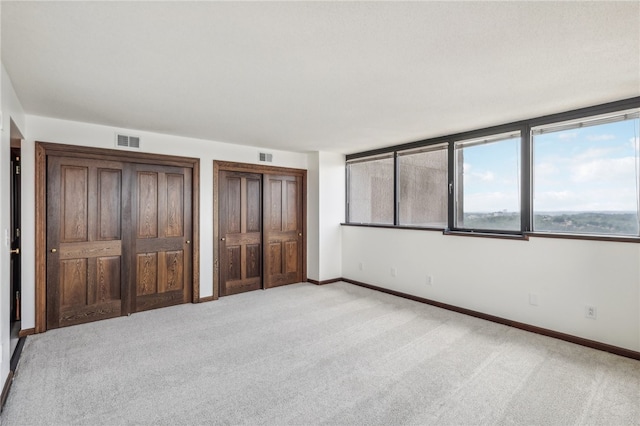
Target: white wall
(313, 216)
(326, 183)
(496, 277)
(11, 110)
(331, 208)
(74, 133)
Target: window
(575, 173)
(423, 186)
(487, 183)
(371, 190)
(585, 175)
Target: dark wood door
(282, 230)
(161, 221)
(240, 223)
(84, 240)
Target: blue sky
(583, 169)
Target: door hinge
(17, 170)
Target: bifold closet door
(84, 240)
(240, 222)
(161, 263)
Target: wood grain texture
(109, 204)
(175, 205)
(147, 274)
(73, 279)
(147, 205)
(294, 214)
(240, 229)
(76, 280)
(167, 280)
(284, 262)
(75, 194)
(103, 199)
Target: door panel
(162, 255)
(84, 280)
(283, 233)
(240, 223)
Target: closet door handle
(222, 239)
(53, 250)
(188, 241)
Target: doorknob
(222, 239)
(53, 250)
(300, 234)
(188, 241)
(16, 251)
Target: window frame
(526, 179)
(433, 147)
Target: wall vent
(125, 141)
(266, 157)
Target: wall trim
(13, 366)
(331, 281)
(206, 299)
(5, 389)
(27, 332)
(628, 353)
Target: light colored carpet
(303, 354)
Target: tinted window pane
(488, 184)
(371, 191)
(423, 188)
(585, 179)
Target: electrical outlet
(590, 312)
(533, 299)
(361, 266)
(429, 280)
(394, 272)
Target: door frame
(45, 149)
(264, 170)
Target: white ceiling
(327, 76)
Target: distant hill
(608, 223)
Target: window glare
(586, 179)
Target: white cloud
(596, 138)
(609, 170)
(586, 199)
(487, 176)
(564, 135)
(593, 153)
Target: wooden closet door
(282, 230)
(84, 241)
(240, 224)
(161, 225)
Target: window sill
(505, 236)
(488, 234)
(375, 225)
(611, 238)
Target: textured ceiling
(307, 76)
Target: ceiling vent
(124, 141)
(267, 158)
